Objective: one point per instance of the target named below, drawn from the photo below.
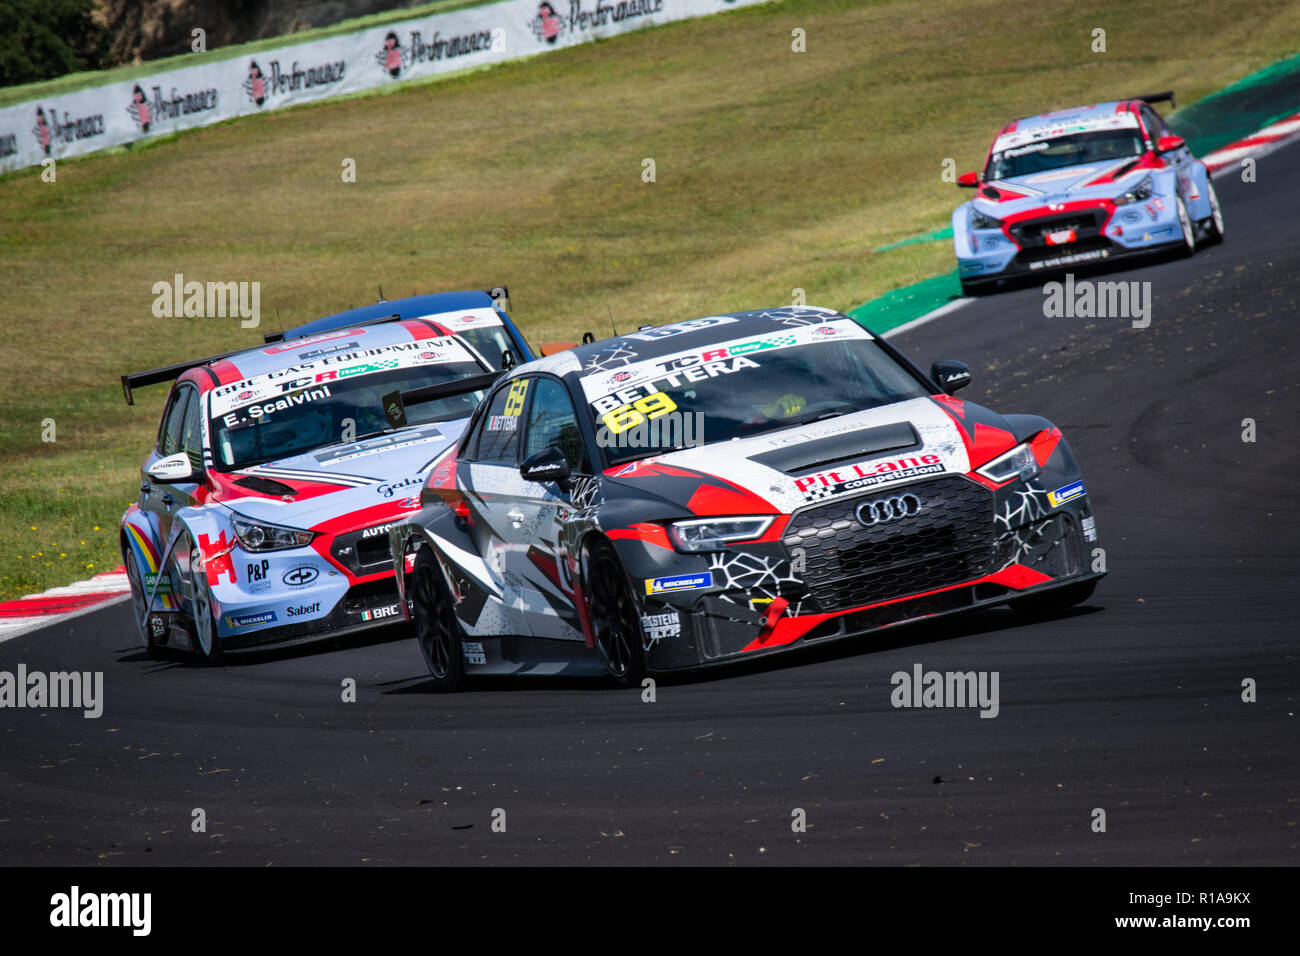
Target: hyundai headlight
(711, 534)
(980, 221)
(259, 536)
(1019, 462)
(1139, 193)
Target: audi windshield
(743, 388)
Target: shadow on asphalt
(915, 634)
(168, 658)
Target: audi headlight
(1018, 462)
(980, 221)
(711, 534)
(258, 536)
(1139, 193)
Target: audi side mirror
(968, 180)
(549, 464)
(172, 469)
(951, 375)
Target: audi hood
(782, 471)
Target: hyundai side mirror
(968, 180)
(549, 464)
(951, 375)
(1167, 144)
(172, 469)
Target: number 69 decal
(515, 399)
(629, 416)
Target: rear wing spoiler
(166, 373)
(1166, 97)
(499, 294)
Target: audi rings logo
(884, 510)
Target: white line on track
(945, 309)
(18, 626)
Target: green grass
(775, 171)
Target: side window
(192, 431)
(473, 431)
(1154, 123)
(491, 341)
(552, 422)
(170, 437)
(498, 437)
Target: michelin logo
(249, 620)
(1061, 495)
(679, 582)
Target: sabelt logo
(300, 609)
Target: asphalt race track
(1131, 703)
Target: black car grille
(1032, 233)
(361, 554)
(847, 564)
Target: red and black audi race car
(728, 487)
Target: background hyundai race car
(275, 474)
(1082, 186)
(728, 487)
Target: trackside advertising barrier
(73, 124)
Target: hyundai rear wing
(166, 373)
(1166, 97)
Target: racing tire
(207, 643)
(1213, 225)
(138, 601)
(615, 619)
(1188, 245)
(437, 629)
(1038, 607)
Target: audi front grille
(917, 538)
